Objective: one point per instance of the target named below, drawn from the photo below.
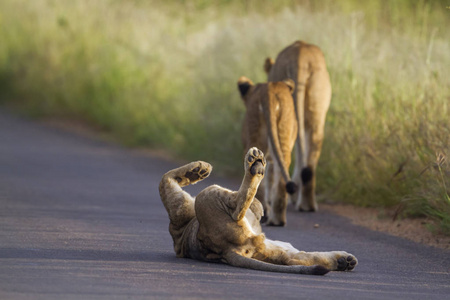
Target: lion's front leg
(254, 165)
(178, 203)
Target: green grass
(163, 74)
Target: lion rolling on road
(270, 124)
(305, 65)
(220, 225)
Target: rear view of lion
(305, 65)
(270, 124)
(220, 225)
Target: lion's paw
(193, 173)
(255, 162)
(346, 263)
(275, 223)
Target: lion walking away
(305, 65)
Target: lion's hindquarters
(280, 119)
(305, 64)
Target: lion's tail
(274, 140)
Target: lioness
(220, 225)
(305, 64)
(270, 124)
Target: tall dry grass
(163, 74)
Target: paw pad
(196, 171)
(255, 161)
(346, 263)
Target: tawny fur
(220, 225)
(305, 65)
(270, 124)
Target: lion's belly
(286, 247)
(251, 223)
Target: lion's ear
(244, 84)
(268, 63)
(290, 83)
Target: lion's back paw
(192, 173)
(346, 263)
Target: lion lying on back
(220, 225)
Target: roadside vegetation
(163, 74)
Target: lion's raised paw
(193, 173)
(255, 162)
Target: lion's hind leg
(178, 203)
(238, 260)
(333, 260)
(285, 253)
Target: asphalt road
(82, 219)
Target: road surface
(82, 219)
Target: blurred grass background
(163, 74)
